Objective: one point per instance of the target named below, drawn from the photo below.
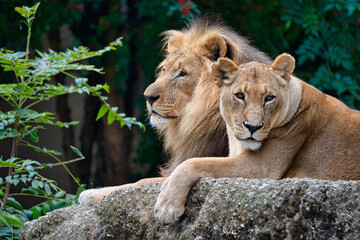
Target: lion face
(253, 97)
(173, 89)
(188, 57)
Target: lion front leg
(94, 196)
(170, 204)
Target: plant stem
(66, 168)
(28, 42)
(53, 165)
(13, 154)
(32, 104)
(59, 161)
(31, 195)
(14, 70)
(67, 162)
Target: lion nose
(151, 99)
(252, 128)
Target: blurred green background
(322, 35)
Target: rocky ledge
(216, 209)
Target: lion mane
(183, 102)
(200, 131)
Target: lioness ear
(213, 46)
(173, 40)
(284, 63)
(221, 71)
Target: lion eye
(181, 74)
(269, 98)
(240, 96)
(160, 71)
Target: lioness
(183, 102)
(278, 127)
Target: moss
(217, 209)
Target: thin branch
(68, 74)
(7, 101)
(14, 70)
(56, 158)
(31, 195)
(66, 168)
(11, 169)
(28, 42)
(33, 103)
(53, 165)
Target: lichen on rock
(216, 209)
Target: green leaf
(36, 212)
(34, 137)
(111, 117)
(102, 111)
(60, 194)
(14, 134)
(47, 151)
(80, 81)
(10, 219)
(12, 202)
(3, 133)
(77, 151)
(35, 184)
(47, 165)
(21, 11)
(8, 163)
(122, 123)
(80, 190)
(47, 189)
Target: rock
(216, 209)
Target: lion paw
(170, 204)
(91, 197)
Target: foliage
(331, 46)
(32, 84)
(322, 36)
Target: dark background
(322, 35)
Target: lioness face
(173, 89)
(252, 98)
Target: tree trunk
(63, 109)
(108, 148)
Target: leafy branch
(32, 85)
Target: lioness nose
(252, 128)
(151, 99)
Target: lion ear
(222, 70)
(212, 46)
(285, 64)
(173, 40)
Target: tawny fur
(304, 132)
(191, 125)
(198, 130)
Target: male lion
(183, 103)
(278, 127)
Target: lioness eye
(269, 98)
(240, 96)
(181, 74)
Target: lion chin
(159, 122)
(249, 144)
